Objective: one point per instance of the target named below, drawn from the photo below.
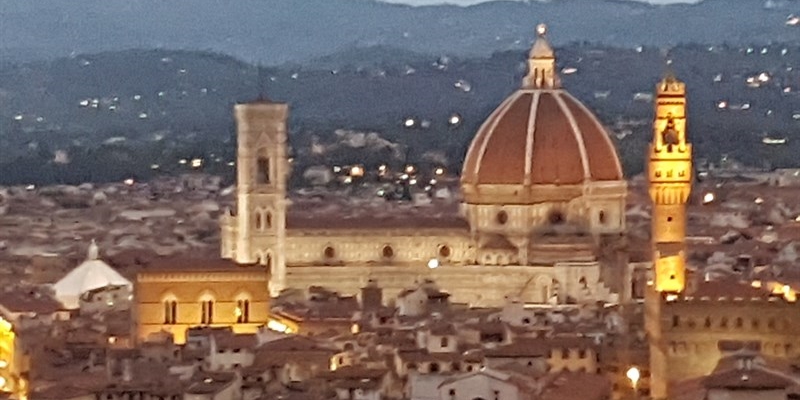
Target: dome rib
(531, 137)
(616, 174)
(577, 134)
(484, 134)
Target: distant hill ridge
(279, 31)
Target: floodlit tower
(257, 231)
(670, 176)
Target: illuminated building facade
(9, 371)
(541, 219)
(689, 322)
(179, 294)
(670, 175)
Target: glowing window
(242, 311)
(207, 312)
(170, 312)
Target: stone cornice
(202, 276)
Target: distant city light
(197, 162)
(18, 117)
(412, 182)
(30, 187)
(183, 161)
(404, 176)
(633, 375)
(793, 20)
(337, 169)
(722, 105)
(454, 119)
(348, 179)
(129, 181)
(409, 123)
(278, 326)
(357, 171)
(439, 171)
(432, 181)
(708, 198)
(433, 263)
(759, 200)
(154, 166)
(569, 70)
(410, 169)
(142, 115)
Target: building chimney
(371, 296)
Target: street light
(633, 375)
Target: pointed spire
(94, 251)
(541, 63)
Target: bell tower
(669, 170)
(256, 233)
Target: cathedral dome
(540, 135)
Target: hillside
(278, 31)
(112, 115)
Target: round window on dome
(329, 252)
(502, 217)
(387, 251)
(556, 217)
(444, 251)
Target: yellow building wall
(188, 289)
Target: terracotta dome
(541, 135)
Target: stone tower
(670, 175)
(256, 233)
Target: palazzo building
(691, 324)
(541, 220)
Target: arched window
(739, 322)
(601, 217)
(170, 311)
(707, 323)
(207, 311)
(242, 311)
(259, 223)
(262, 171)
(723, 322)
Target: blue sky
(467, 2)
